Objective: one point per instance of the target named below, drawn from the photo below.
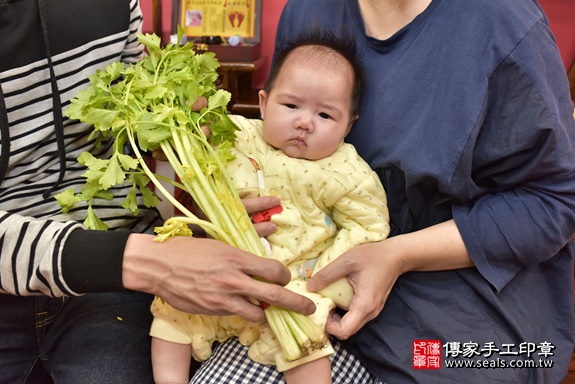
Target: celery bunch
(148, 106)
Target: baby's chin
(299, 153)
(304, 152)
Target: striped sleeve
(42, 241)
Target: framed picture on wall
(220, 19)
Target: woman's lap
(230, 363)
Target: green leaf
(86, 158)
(130, 202)
(150, 198)
(67, 199)
(172, 227)
(150, 135)
(112, 72)
(118, 123)
(113, 174)
(127, 161)
(219, 99)
(93, 177)
(207, 63)
(106, 195)
(147, 104)
(93, 222)
(210, 167)
(156, 92)
(181, 32)
(102, 119)
(152, 43)
(92, 190)
(74, 110)
(188, 174)
(224, 152)
(81, 103)
(143, 75)
(140, 179)
(223, 129)
(92, 162)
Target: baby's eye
(324, 115)
(291, 106)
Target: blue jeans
(96, 338)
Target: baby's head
(312, 96)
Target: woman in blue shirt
(467, 120)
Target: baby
(331, 201)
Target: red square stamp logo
(426, 354)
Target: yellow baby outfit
(329, 206)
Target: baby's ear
(263, 97)
(351, 121)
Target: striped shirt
(44, 251)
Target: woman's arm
(372, 270)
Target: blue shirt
(467, 115)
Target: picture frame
(218, 20)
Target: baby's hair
(324, 41)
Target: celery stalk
(148, 106)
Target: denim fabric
(96, 338)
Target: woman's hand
(372, 270)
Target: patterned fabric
(329, 205)
(230, 364)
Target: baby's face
(307, 112)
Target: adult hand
(259, 204)
(208, 276)
(373, 268)
(372, 272)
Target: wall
(271, 10)
(561, 15)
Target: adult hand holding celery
(148, 106)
